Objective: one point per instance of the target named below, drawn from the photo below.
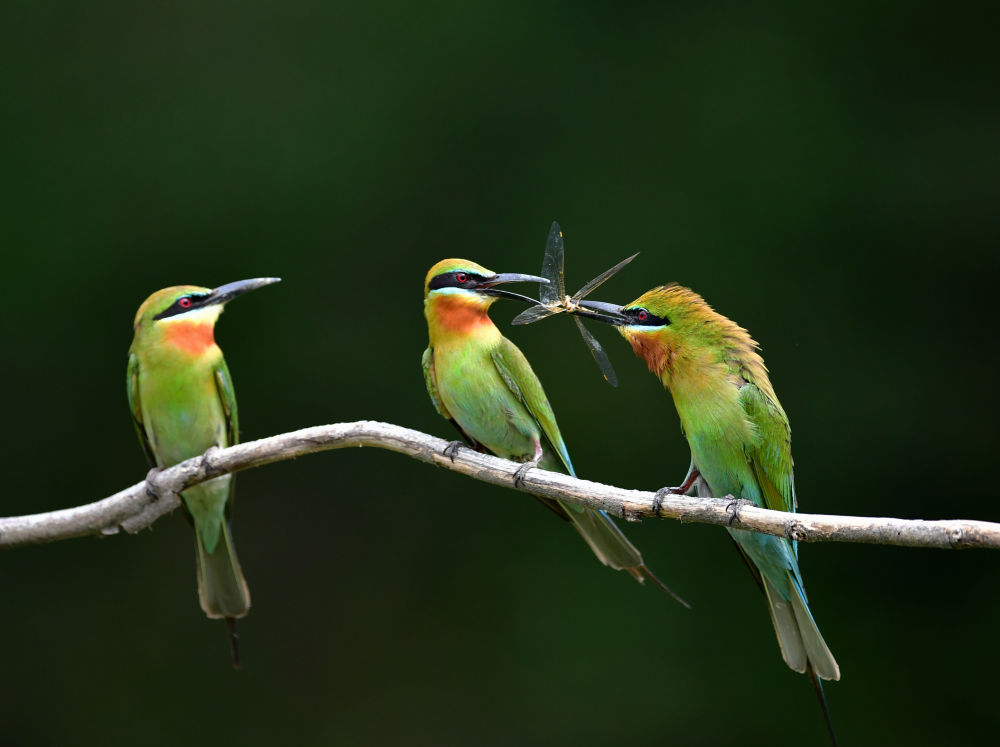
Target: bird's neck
(453, 318)
(191, 337)
(698, 373)
(705, 382)
(658, 353)
(186, 341)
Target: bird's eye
(461, 277)
(645, 317)
(184, 302)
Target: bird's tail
(821, 697)
(802, 645)
(222, 590)
(611, 546)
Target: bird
(181, 398)
(483, 384)
(740, 442)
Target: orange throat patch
(457, 314)
(657, 355)
(194, 338)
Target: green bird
(740, 443)
(182, 402)
(481, 382)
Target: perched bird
(740, 442)
(481, 382)
(181, 398)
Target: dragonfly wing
(607, 370)
(552, 268)
(535, 314)
(600, 279)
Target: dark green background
(827, 178)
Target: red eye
(461, 277)
(643, 315)
(184, 302)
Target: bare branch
(137, 507)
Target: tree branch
(137, 507)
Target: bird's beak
(487, 286)
(599, 311)
(229, 291)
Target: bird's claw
(733, 509)
(521, 472)
(452, 449)
(663, 493)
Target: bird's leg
(692, 477)
(453, 446)
(523, 469)
(733, 509)
(689, 480)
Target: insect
(553, 299)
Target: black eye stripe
(184, 303)
(642, 317)
(450, 280)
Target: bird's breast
(476, 396)
(182, 411)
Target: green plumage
(181, 397)
(482, 382)
(497, 401)
(740, 443)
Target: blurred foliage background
(825, 175)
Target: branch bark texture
(138, 506)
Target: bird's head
(186, 314)
(667, 320)
(458, 293)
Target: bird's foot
(452, 449)
(153, 489)
(684, 488)
(522, 471)
(664, 493)
(733, 509)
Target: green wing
(771, 455)
(227, 395)
(135, 407)
(427, 361)
(516, 372)
(802, 645)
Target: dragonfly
(553, 299)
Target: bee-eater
(181, 398)
(483, 384)
(740, 442)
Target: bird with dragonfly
(736, 429)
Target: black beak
(606, 313)
(229, 291)
(486, 286)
